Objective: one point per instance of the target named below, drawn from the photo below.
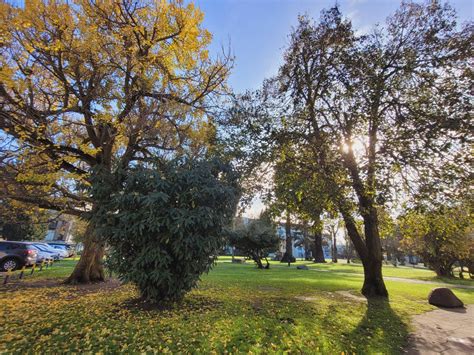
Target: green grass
(235, 309)
(407, 272)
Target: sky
(257, 33)
(257, 30)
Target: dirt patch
(349, 295)
(108, 285)
(447, 331)
(21, 285)
(307, 298)
(192, 303)
(345, 294)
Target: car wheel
(9, 264)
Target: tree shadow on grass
(381, 329)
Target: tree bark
(369, 250)
(348, 247)
(258, 262)
(373, 283)
(334, 248)
(307, 242)
(318, 248)
(288, 256)
(373, 280)
(90, 266)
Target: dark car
(14, 255)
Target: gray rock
(444, 297)
(302, 267)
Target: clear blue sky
(257, 30)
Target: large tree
(377, 112)
(371, 104)
(89, 86)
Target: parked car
(55, 254)
(14, 255)
(69, 248)
(44, 255)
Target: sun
(358, 146)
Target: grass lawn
(236, 308)
(407, 272)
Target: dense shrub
(165, 225)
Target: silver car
(54, 254)
(43, 255)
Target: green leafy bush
(165, 225)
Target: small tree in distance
(256, 239)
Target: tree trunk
(373, 282)
(348, 247)
(306, 241)
(369, 250)
(90, 266)
(288, 256)
(442, 270)
(318, 248)
(348, 251)
(334, 248)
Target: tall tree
(359, 101)
(89, 86)
(376, 111)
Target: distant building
(60, 230)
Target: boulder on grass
(444, 297)
(302, 267)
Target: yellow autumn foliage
(101, 83)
